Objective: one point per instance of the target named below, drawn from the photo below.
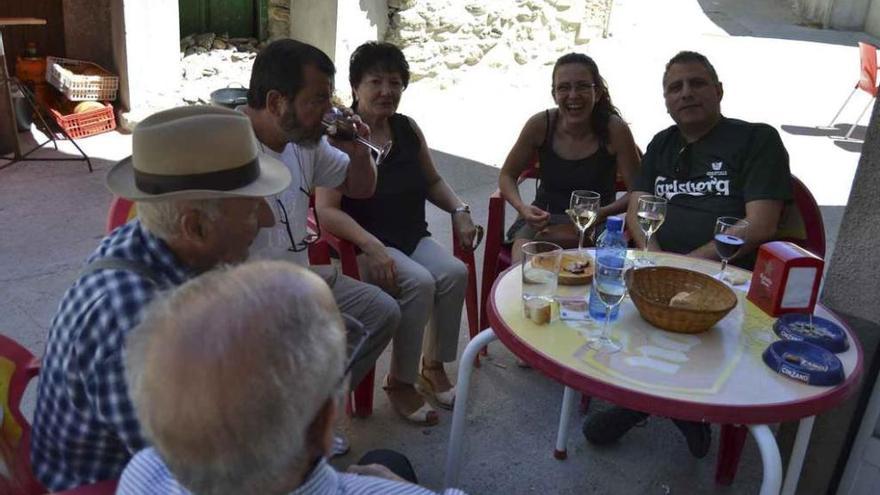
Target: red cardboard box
(786, 279)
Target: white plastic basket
(69, 77)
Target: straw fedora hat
(196, 152)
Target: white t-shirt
(321, 165)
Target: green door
(239, 18)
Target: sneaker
(340, 445)
(698, 436)
(605, 427)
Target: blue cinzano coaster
(804, 362)
(822, 332)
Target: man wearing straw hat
(198, 179)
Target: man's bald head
(229, 371)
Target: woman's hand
(464, 229)
(535, 217)
(381, 268)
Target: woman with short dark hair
(397, 251)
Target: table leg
(798, 452)
(561, 451)
(770, 457)
(465, 368)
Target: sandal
(445, 399)
(424, 415)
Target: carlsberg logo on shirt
(701, 186)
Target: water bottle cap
(614, 224)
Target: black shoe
(606, 427)
(698, 435)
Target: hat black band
(222, 180)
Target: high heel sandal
(445, 399)
(425, 415)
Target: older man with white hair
(198, 179)
(236, 378)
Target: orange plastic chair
(17, 367)
(867, 82)
(319, 253)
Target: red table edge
(677, 408)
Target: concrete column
(146, 49)
(338, 27)
(852, 290)
(88, 32)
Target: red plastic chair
(319, 253)
(101, 488)
(17, 367)
(121, 211)
(497, 256)
(867, 82)
(802, 222)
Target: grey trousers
(432, 287)
(377, 311)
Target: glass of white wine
(583, 210)
(610, 280)
(651, 214)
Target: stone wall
(441, 35)
(279, 19)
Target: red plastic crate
(79, 125)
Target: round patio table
(716, 377)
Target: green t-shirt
(736, 162)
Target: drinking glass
(540, 273)
(730, 235)
(610, 279)
(651, 214)
(340, 126)
(583, 210)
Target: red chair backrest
(801, 221)
(868, 76)
(121, 211)
(17, 367)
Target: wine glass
(651, 214)
(730, 235)
(610, 280)
(339, 125)
(583, 210)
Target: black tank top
(396, 212)
(559, 177)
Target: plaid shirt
(85, 429)
(148, 474)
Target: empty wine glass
(730, 235)
(651, 214)
(610, 279)
(339, 125)
(583, 210)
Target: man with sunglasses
(253, 412)
(705, 166)
(290, 90)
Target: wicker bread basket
(708, 300)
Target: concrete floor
(52, 215)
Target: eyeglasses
(310, 238)
(580, 87)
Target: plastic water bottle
(610, 247)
